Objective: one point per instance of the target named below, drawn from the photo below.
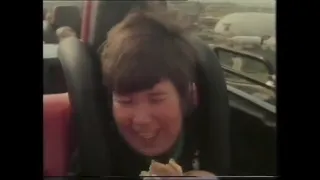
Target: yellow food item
(172, 169)
(159, 169)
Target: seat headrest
(84, 88)
(214, 108)
(67, 16)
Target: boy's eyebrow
(157, 93)
(119, 94)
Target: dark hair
(144, 49)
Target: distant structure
(52, 3)
(247, 24)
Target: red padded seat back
(57, 134)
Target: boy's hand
(170, 169)
(159, 169)
(173, 169)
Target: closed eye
(122, 100)
(157, 99)
(126, 101)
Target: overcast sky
(264, 2)
(269, 3)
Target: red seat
(57, 134)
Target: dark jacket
(126, 162)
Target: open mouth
(148, 137)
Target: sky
(243, 2)
(253, 2)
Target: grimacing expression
(150, 120)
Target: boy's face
(151, 120)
